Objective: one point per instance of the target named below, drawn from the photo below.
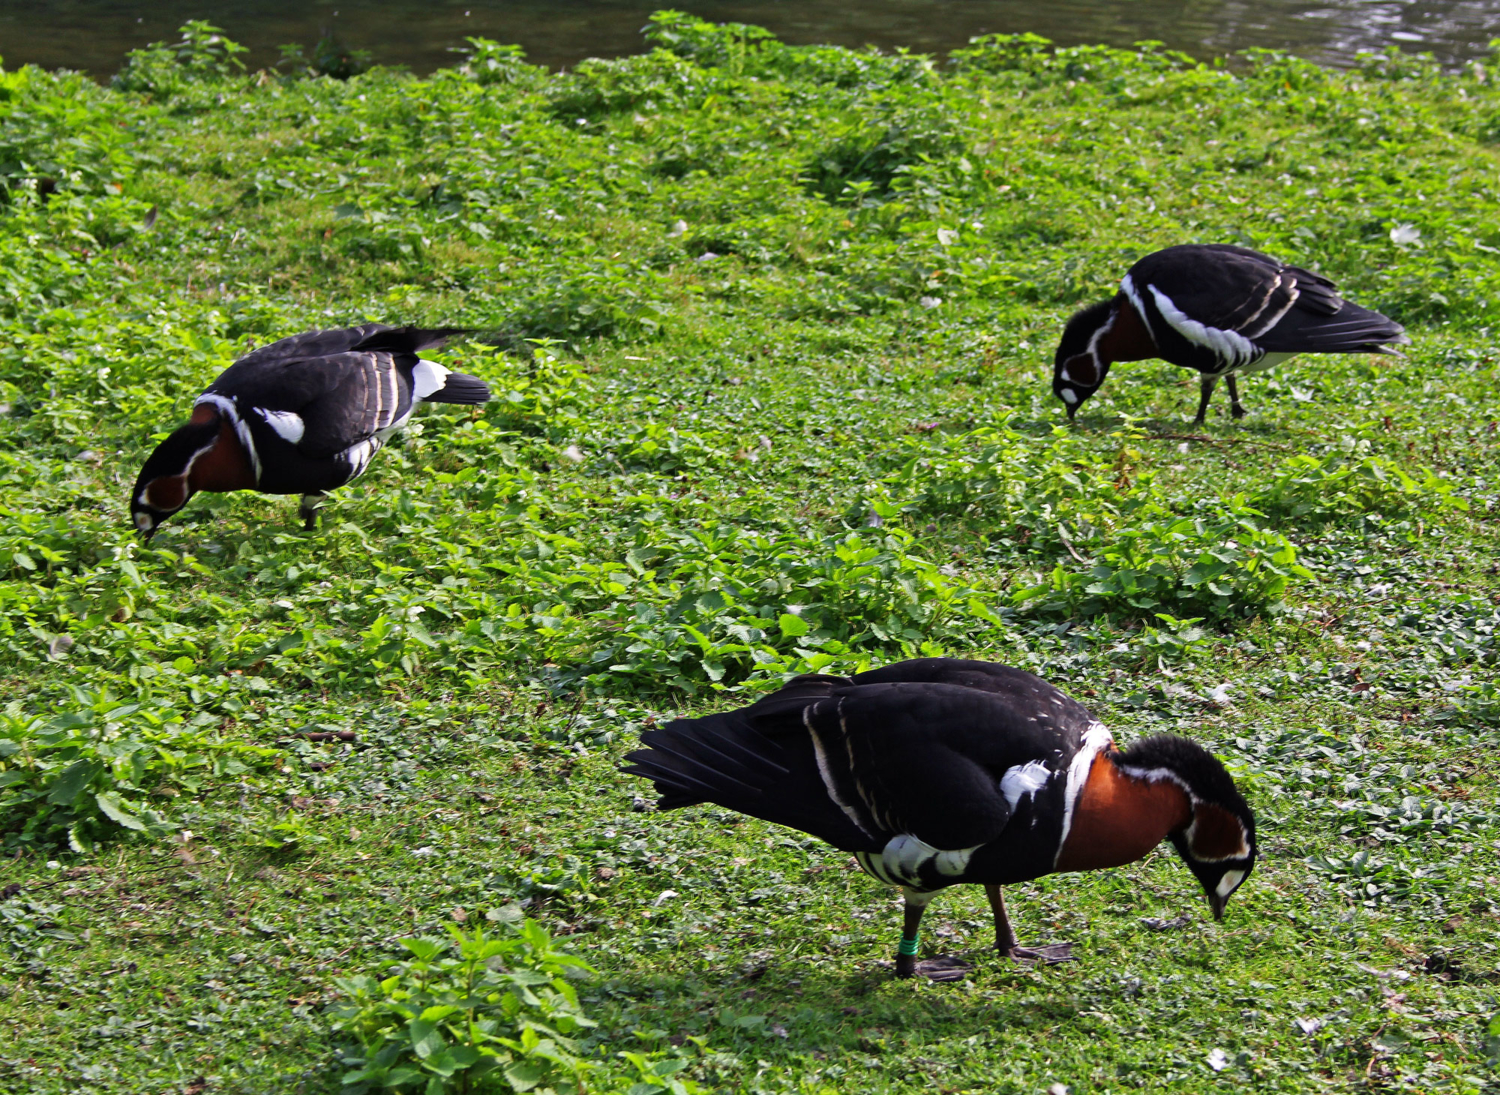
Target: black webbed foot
(1049, 955)
(942, 968)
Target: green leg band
(908, 947)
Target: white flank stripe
(956, 862)
(373, 362)
(1024, 779)
(1292, 294)
(1095, 740)
(287, 424)
(428, 377)
(905, 855)
(874, 866)
(1231, 348)
(822, 754)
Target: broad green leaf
(70, 784)
(792, 626)
(524, 1075)
(114, 809)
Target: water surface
(94, 35)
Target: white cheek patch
(1069, 395)
(288, 426)
(428, 377)
(143, 521)
(1229, 883)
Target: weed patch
(769, 328)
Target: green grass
(786, 406)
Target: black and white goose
(1219, 309)
(943, 771)
(301, 416)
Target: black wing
(345, 385)
(918, 748)
(1229, 288)
(1275, 307)
(758, 760)
(310, 344)
(341, 399)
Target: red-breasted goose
(1218, 309)
(943, 771)
(301, 416)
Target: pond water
(94, 35)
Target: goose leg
(1005, 937)
(308, 511)
(1205, 390)
(941, 968)
(1235, 407)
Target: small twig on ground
(1217, 440)
(1062, 534)
(573, 716)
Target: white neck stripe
(1095, 740)
(227, 408)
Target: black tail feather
(461, 388)
(1354, 330)
(758, 761)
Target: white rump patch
(1266, 362)
(287, 424)
(1230, 347)
(358, 456)
(904, 856)
(1025, 779)
(1229, 883)
(427, 377)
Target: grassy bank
(776, 328)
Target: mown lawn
(771, 332)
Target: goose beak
(1216, 905)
